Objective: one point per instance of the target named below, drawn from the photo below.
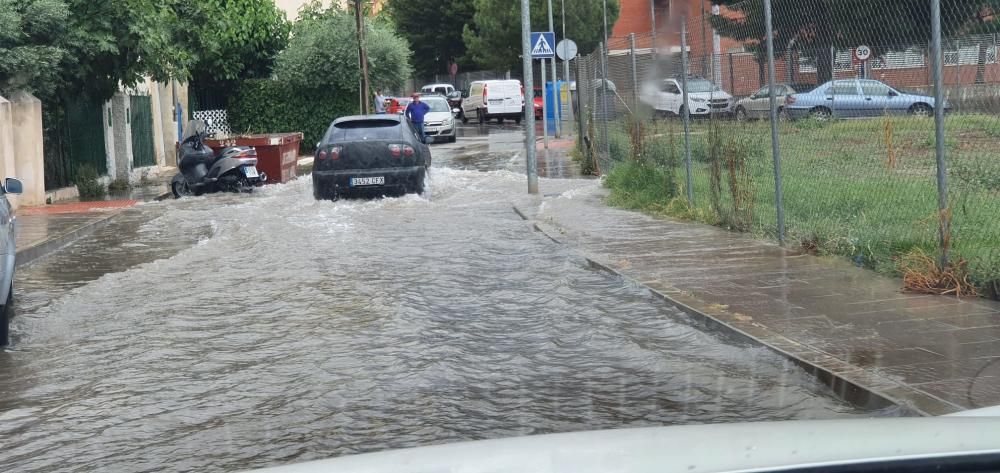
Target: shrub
(88, 185)
(270, 106)
(119, 186)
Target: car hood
(437, 116)
(710, 95)
(762, 446)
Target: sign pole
(545, 111)
(529, 112)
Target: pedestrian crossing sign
(541, 45)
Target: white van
(499, 99)
(443, 89)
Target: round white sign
(862, 52)
(566, 49)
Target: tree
(32, 45)
(434, 28)
(249, 36)
(493, 40)
(323, 53)
(816, 26)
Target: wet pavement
(229, 332)
(935, 354)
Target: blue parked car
(856, 98)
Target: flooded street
(232, 332)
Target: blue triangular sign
(542, 47)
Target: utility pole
(555, 81)
(529, 111)
(362, 59)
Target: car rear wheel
(517, 120)
(741, 114)
(5, 311)
(821, 113)
(499, 120)
(921, 110)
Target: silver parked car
(855, 98)
(758, 105)
(8, 234)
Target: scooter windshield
(194, 127)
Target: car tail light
(407, 151)
(789, 100)
(249, 153)
(484, 93)
(335, 152)
(395, 150)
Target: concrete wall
(164, 99)
(29, 160)
(121, 166)
(7, 141)
(21, 146)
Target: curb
(851, 384)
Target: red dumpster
(277, 153)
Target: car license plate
(250, 171)
(368, 181)
(496, 100)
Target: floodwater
(232, 332)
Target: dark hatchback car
(369, 155)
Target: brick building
(727, 62)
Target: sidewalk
(44, 229)
(854, 330)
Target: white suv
(704, 97)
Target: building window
(965, 51)
(807, 65)
(911, 57)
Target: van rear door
(504, 97)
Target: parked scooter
(202, 172)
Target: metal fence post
(685, 113)
(578, 106)
(635, 78)
(555, 80)
(529, 112)
(944, 219)
(775, 148)
(604, 98)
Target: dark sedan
(369, 155)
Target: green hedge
(269, 106)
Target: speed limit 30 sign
(862, 52)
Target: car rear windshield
(371, 129)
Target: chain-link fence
(680, 123)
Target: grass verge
(863, 189)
